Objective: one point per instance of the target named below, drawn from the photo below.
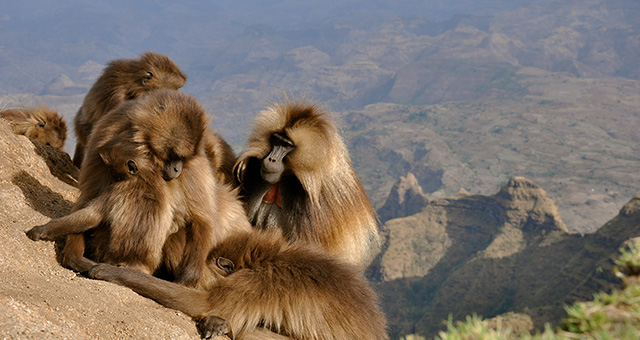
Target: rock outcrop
(406, 198)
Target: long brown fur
(221, 156)
(146, 221)
(122, 80)
(41, 124)
(268, 288)
(322, 199)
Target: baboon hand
(102, 271)
(39, 233)
(211, 326)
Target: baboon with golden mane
(148, 196)
(266, 287)
(296, 174)
(122, 80)
(41, 124)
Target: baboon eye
(42, 124)
(147, 77)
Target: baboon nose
(172, 170)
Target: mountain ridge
(509, 252)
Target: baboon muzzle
(272, 165)
(172, 170)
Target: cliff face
(39, 298)
(498, 225)
(491, 255)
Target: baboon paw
(212, 326)
(38, 233)
(100, 271)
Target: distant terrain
(576, 137)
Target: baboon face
(38, 132)
(48, 128)
(172, 130)
(159, 71)
(273, 165)
(124, 160)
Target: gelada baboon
(41, 124)
(122, 80)
(296, 174)
(148, 196)
(268, 288)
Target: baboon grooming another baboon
(148, 195)
(268, 288)
(122, 80)
(41, 124)
(296, 174)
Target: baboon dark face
(172, 128)
(273, 165)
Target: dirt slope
(39, 298)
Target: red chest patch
(273, 195)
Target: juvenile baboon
(41, 124)
(296, 174)
(147, 180)
(268, 288)
(109, 217)
(122, 80)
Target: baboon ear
(225, 264)
(41, 124)
(132, 167)
(105, 158)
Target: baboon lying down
(267, 288)
(42, 124)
